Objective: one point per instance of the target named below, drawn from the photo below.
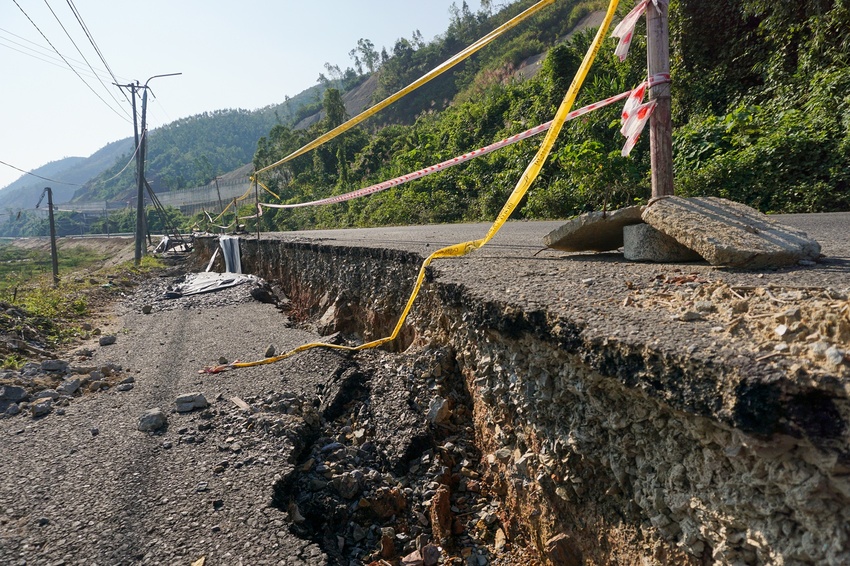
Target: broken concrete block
(642, 242)
(729, 233)
(594, 231)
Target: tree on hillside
(368, 55)
(334, 116)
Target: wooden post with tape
(660, 123)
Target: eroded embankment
(599, 452)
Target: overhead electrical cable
(69, 64)
(39, 176)
(42, 53)
(94, 44)
(77, 47)
(132, 159)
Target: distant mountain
(186, 152)
(76, 171)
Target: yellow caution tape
(243, 197)
(265, 188)
(463, 248)
(445, 66)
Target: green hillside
(761, 116)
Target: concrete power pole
(140, 182)
(54, 256)
(660, 123)
(141, 147)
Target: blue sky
(246, 54)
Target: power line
(45, 55)
(132, 159)
(94, 44)
(39, 176)
(74, 43)
(49, 57)
(67, 63)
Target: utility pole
(218, 192)
(140, 182)
(141, 150)
(54, 256)
(133, 88)
(660, 123)
(257, 203)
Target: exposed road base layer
(638, 414)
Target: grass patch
(22, 268)
(47, 315)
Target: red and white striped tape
(636, 113)
(637, 116)
(625, 30)
(451, 162)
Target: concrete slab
(642, 242)
(729, 233)
(594, 231)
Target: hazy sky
(233, 54)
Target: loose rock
(191, 401)
(41, 407)
(152, 420)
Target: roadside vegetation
(36, 316)
(760, 102)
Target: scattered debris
(809, 324)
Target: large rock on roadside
(10, 396)
(729, 233)
(152, 420)
(69, 386)
(594, 231)
(12, 393)
(51, 394)
(55, 366)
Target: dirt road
(87, 487)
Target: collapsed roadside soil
(334, 459)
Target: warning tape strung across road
(440, 69)
(370, 190)
(464, 248)
(637, 93)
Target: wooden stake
(660, 123)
